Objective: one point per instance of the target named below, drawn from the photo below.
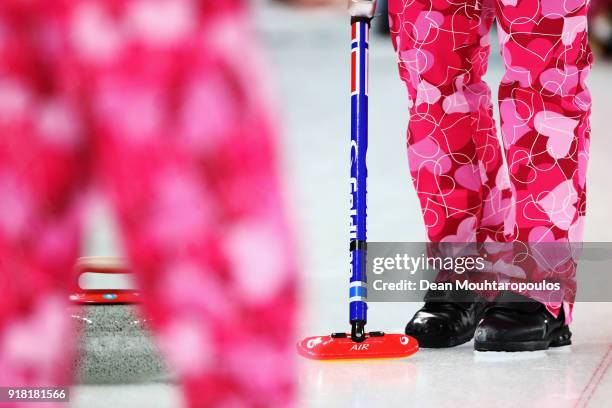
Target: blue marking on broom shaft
(359, 145)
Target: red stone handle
(105, 265)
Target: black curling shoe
(520, 326)
(441, 323)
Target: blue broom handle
(360, 27)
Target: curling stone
(116, 345)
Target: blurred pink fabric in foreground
(163, 102)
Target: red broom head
(339, 346)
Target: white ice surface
(310, 56)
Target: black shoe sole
(558, 338)
(439, 342)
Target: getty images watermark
(406, 272)
(458, 265)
